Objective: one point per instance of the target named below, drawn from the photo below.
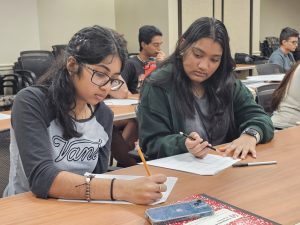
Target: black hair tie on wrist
(112, 189)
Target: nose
(106, 87)
(203, 64)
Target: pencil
(143, 160)
(189, 137)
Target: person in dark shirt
(150, 40)
(61, 128)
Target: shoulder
(277, 54)
(133, 61)
(36, 95)
(162, 74)
(32, 103)
(103, 114)
(240, 90)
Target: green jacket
(160, 124)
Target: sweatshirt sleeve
(157, 136)
(29, 122)
(249, 114)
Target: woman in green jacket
(194, 91)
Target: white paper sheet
(210, 165)
(170, 184)
(115, 101)
(260, 78)
(4, 116)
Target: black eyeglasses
(101, 79)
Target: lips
(99, 97)
(200, 74)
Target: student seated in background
(288, 43)
(286, 100)
(125, 133)
(61, 129)
(150, 40)
(194, 91)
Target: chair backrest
(131, 55)
(4, 159)
(264, 96)
(43, 53)
(268, 68)
(38, 64)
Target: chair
(4, 159)
(58, 50)
(268, 68)
(36, 61)
(131, 55)
(10, 84)
(43, 53)
(264, 96)
(28, 77)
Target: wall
(194, 9)
(173, 24)
(132, 14)
(237, 19)
(277, 14)
(60, 19)
(19, 29)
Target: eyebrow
(200, 50)
(107, 69)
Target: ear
(72, 65)
(143, 44)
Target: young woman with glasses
(61, 129)
(194, 91)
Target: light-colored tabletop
(120, 113)
(271, 191)
(240, 67)
(5, 123)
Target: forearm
(165, 146)
(69, 185)
(144, 190)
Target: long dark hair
(280, 92)
(219, 87)
(90, 45)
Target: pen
(187, 136)
(254, 164)
(143, 160)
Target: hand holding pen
(196, 145)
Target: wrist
(253, 133)
(119, 190)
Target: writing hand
(197, 147)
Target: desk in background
(240, 67)
(270, 191)
(120, 113)
(244, 70)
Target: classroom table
(120, 113)
(5, 123)
(240, 67)
(271, 191)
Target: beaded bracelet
(112, 189)
(88, 179)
